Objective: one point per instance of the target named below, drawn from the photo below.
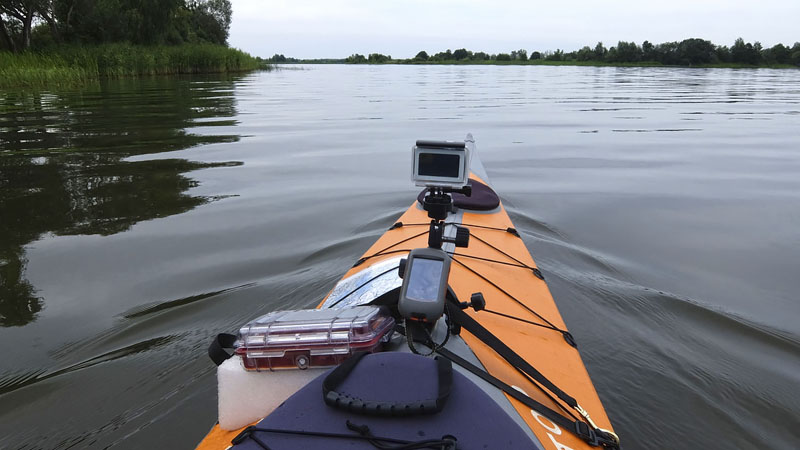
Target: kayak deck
(497, 264)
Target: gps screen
(424, 280)
(438, 165)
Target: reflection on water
(63, 166)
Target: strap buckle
(586, 433)
(600, 436)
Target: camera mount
(438, 203)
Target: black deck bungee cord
(535, 270)
(510, 230)
(447, 442)
(509, 316)
(385, 251)
(362, 285)
(381, 252)
(567, 335)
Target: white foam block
(246, 396)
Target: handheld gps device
(422, 294)
(440, 164)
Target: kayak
(498, 370)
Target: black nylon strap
(444, 370)
(581, 429)
(217, 351)
(459, 317)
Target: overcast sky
(401, 28)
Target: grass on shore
(72, 64)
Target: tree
(600, 52)
(667, 53)
(6, 35)
(584, 54)
(695, 51)
(443, 56)
(152, 20)
(422, 56)
(647, 51)
(520, 54)
(45, 9)
(795, 58)
(138, 21)
(611, 54)
(480, 56)
(557, 55)
(211, 20)
(21, 11)
(535, 55)
(461, 53)
(101, 21)
(745, 53)
(503, 57)
(627, 52)
(377, 58)
(779, 54)
(220, 10)
(723, 54)
(355, 58)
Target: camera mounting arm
(438, 203)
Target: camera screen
(424, 280)
(438, 165)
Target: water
(140, 218)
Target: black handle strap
(218, 350)
(444, 369)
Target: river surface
(138, 218)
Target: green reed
(73, 64)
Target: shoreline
(411, 62)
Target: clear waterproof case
(312, 337)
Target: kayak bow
(512, 334)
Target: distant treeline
(689, 52)
(40, 24)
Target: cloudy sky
(401, 28)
